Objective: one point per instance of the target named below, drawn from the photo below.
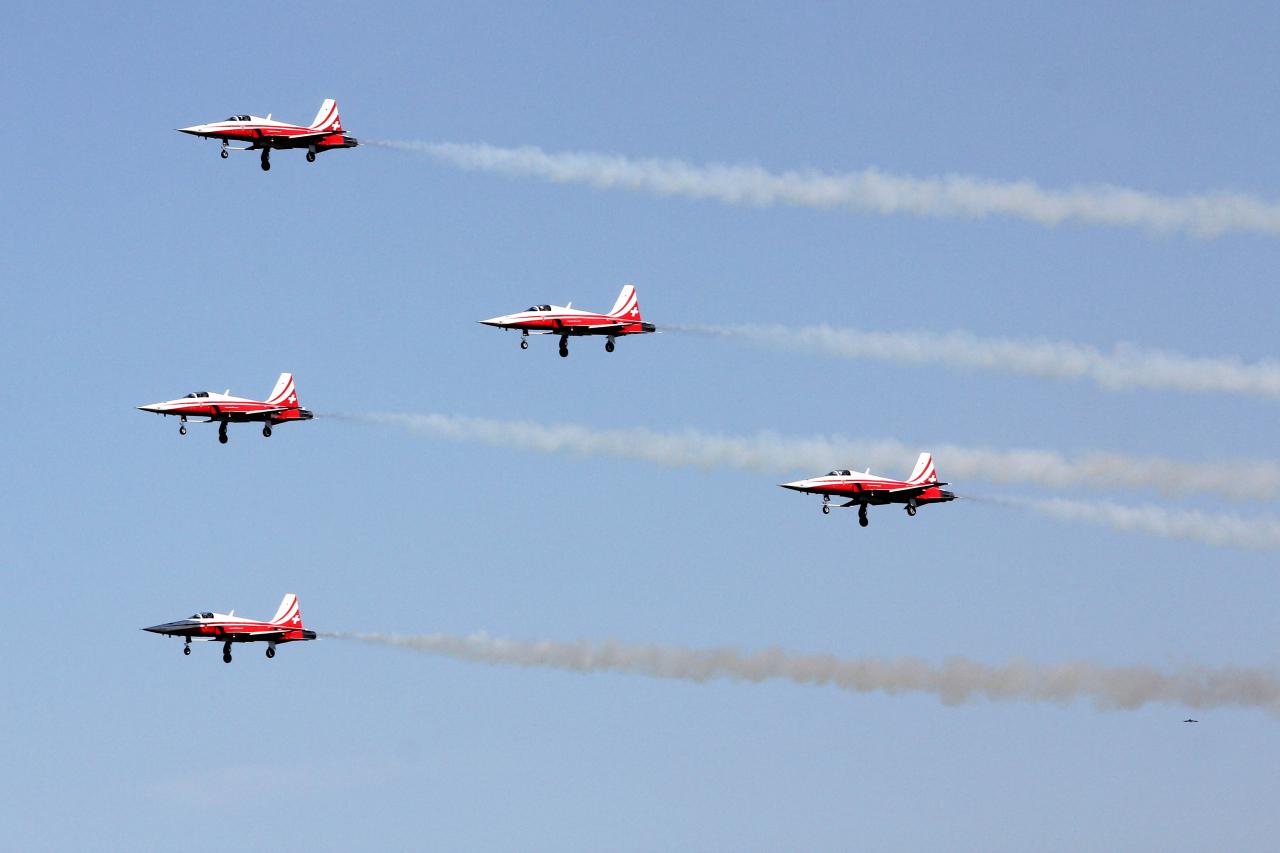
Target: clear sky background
(138, 266)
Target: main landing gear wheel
(826, 509)
(186, 650)
(266, 161)
(311, 158)
(226, 657)
(271, 652)
(524, 345)
(608, 346)
(564, 347)
(182, 430)
(222, 433)
(266, 431)
(863, 521)
(911, 510)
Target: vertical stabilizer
(327, 119)
(924, 471)
(285, 394)
(628, 305)
(288, 613)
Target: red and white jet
(281, 407)
(264, 134)
(867, 489)
(227, 628)
(623, 319)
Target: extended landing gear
(311, 154)
(266, 431)
(271, 651)
(911, 509)
(222, 433)
(826, 504)
(225, 155)
(608, 345)
(226, 653)
(186, 647)
(524, 341)
(266, 159)
(863, 521)
(182, 426)
(564, 347)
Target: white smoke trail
(769, 453)
(1223, 530)
(953, 682)
(1123, 367)
(869, 190)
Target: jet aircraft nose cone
(493, 321)
(796, 486)
(194, 130)
(151, 407)
(155, 629)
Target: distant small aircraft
(1190, 721)
(868, 489)
(264, 134)
(227, 628)
(567, 321)
(281, 407)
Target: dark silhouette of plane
(1190, 721)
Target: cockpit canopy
(201, 615)
(840, 473)
(539, 308)
(237, 118)
(198, 394)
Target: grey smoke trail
(1224, 530)
(1123, 367)
(770, 453)
(956, 681)
(869, 190)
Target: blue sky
(139, 266)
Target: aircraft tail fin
(288, 613)
(628, 305)
(285, 394)
(924, 471)
(327, 119)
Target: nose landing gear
(524, 340)
(186, 647)
(826, 504)
(182, 425)
(224, 150)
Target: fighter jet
(868, 489)
(227, 628)
(1190, 721)
(281, 407)
(265, 134)
(623, 319)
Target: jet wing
(871, 495)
